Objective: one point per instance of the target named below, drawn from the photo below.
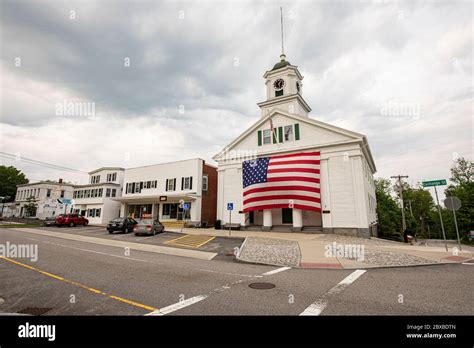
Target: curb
(158, 249)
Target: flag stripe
(276, 185)
(279, 206)
(297, 155)
(282, 188)
(294, 162)
(293, 170)
(294, 178)
(288, 197)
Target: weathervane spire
(282, 56)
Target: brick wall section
(209, 197)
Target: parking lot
(221, 246)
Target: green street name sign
(434, 183)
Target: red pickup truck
(70, 220)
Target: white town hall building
(300, 174)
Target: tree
(418, 206)
(462, 178)
(388, 212)
(10, 177)
(31, 206)
(462, 172)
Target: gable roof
(354, 135)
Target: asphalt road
(79, 278)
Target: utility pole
(441, 220)
(409, 204)
(400, 191)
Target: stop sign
(452, 203)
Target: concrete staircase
(286, 228)
(312, 229)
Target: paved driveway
(220, 245)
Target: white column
(123, 210)
(267, 219)
(297, 218)
(160, 211)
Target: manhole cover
(262, 286)
(34, 310)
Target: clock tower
(284, 90)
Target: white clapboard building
(95, 200)
(45, 195)
(160, 191)
(290, 171)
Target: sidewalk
(332, 251)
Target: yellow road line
(173, 240)
(132, 303)
(193, 241)
(207, 241)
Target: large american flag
(286, 181)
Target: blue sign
(65, 201)
(230, 206)
(186, 206)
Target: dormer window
(288, 132)
(267, 136)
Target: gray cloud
(357, 57)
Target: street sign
(452, 203)
(186, 206)
(230, 206)
(65, 201)
(434, 183)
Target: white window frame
(292, 133)
(205, 182)
(187, 186)
(266, 136)
(171, 186)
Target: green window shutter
(280, 134)
(297, 131)
(259, 138)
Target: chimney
(60, 181)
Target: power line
(41, 164)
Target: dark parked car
(49, 221)
(71, 220)
(125, 225)
(148, 227)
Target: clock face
(279, 84)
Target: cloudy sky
(181, 79)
